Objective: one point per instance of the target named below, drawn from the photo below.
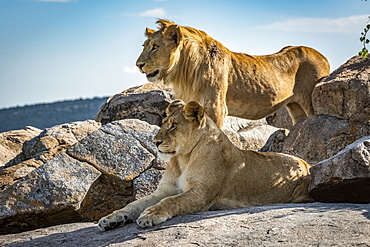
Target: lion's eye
(155, 47)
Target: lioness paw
(151, 216)
(112, 221)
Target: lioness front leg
(113, 220)
(129, 213)
(185, 203)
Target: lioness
(207, 172)
(227, 83)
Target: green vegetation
(364, 52)
(47, 115)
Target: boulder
(51, 194)
(93, 178)
(315, 224)
(57, 139)
(280, 119)
(11, 142)
(123, 152)
(147, 103)
(10, 175)
(275, 142)
(345, 177)
(248, 134)
(123, 148)
(320, 137)
(345, 93)
(43, 147)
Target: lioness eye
(155, 47)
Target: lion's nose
(157, 143)
(140, 65)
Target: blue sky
(52, 50)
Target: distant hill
(49, 114)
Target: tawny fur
(227, 83)
(207, 172)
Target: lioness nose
(157, 143)
(140, 65)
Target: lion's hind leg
(297, 112)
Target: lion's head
(180, 130)
(156, 57)
(173, 54)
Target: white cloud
(350, 24)
(131, 70)
(157, 12)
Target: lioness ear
(176, 104)
(149, 32)
(194, 111)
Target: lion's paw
(112, 221)
(152, 216)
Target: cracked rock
(345, 177)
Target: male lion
(253, 87)
(207, 172)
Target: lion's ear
(149, 32)
(172, 33)
(163, 23)
(176, 104)
(194, 111)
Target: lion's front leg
(215, 102)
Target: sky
(52, 50)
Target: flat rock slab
(315, 224)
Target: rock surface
(93, 178)
(275, 143)
(51, 193)
(320, 137)
(316, 224)
(11, 142)
(345, 92)
(280, 119)
(345, 177)
(248, 134)
(57, 139)
(147, 103)
(43, 147)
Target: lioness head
(158, 51)
(178, 134)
